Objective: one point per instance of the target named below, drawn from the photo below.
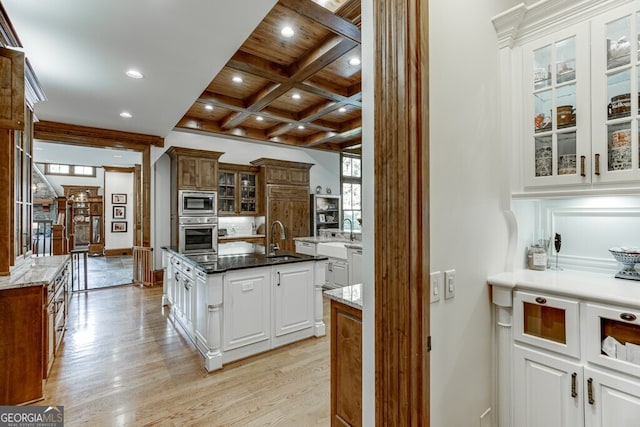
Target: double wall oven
(197, 222)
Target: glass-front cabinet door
(556, 109)
(615, 93)
(237, 190)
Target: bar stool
(75, 258)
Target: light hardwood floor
(123, 363)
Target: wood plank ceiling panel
(314, 64)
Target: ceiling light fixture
(208, 107)
(287, 31)
(300, 127)
(134, 74)
(354, 61)
(342, 110)
(237, 79)
(126, 115)
(295, 96)
(259, 118)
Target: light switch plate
(449, 284)
(436, 287)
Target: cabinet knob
(541, 300)
(629, 317)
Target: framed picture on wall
(118, 226)
(119, 199)
(119, 212)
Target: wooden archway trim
(401, 213)
(105, 138)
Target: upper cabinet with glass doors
(615, 93)
(556, 110)
(576, 122)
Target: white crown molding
(525, 22)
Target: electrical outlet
(435, 286)
(449, 284)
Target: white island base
(239, 313)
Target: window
(71, 170)
(351, 178)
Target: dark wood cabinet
(286, 186)
(194, 169)
(238, 190)
(346, 365)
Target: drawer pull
(629, 317)
(590, 391)
(541, 300)
(597, 162)
(574, 386)
(582, 172)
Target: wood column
(401, 212)
(146, 197)
(6, 201)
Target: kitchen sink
(333, 249)
(283, 257)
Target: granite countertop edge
(350, 295)
(244, 261)
(34, 271)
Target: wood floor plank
(124, 363)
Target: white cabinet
(547, 390)
(561, 373)
(611, 400)
(293, 303)
(354, 257)
(306, 248)
(573, 121)
(246, 307)
(336, 272)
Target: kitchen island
(236, 306)
(346, 355)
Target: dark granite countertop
(243, 261)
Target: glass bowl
(628, 258)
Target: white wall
(118, 183)
(325, 172)
(469, 191)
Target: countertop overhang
(34, 271)
(242, 261)
(579, 284)
(350, 295)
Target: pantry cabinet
(574, 348)
(572, 121)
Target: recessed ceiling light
(134, 74)
(342, 110)
(208, 107)
(300, 127)
(287, 31)
(126, 115)
(38, 149)
(259, 118)
(117, 156)
(237, 79)
(354, 61)
(295, 96)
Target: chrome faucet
(351, 236)
(273, 247)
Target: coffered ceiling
(302, 90)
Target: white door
(547, 390)
(611, 400)
(355, 266)
(246, 303)
(293, 305)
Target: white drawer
(621, 323)
(548, 322)
(306, 248)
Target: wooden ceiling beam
(279, 129)
(219, 100)
(94, 137)
(251, 64)
(327, 52)
(324, 17)
(350, 10)
(334, 137)
(318, 110)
